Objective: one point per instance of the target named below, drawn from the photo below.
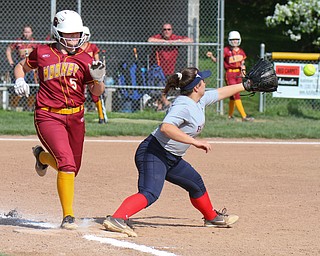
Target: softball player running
(159, 156)
(64, 70)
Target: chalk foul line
(128, 245)
(266, 142)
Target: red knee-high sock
(203, 204)
(130, 206)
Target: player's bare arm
(21, 69)
(210, 55)
(227, 91)
(156, 40)
(176, 134)
(161, 40)
(96, 87)
(184, 40)
(9, 56)
(243, 69)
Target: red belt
(64, 111)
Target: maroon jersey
(62, 76)
(23, 47)
(233, 59)
(91, 49)
(166, 56)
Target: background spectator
(165, 56)
(22, 49)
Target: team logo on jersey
(199, 128)
(235, 58)
(46, 55)
(59, 70)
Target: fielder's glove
(21, 88)
(97, 70)
(261, 78)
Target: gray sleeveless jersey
(189, 117)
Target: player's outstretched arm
(227, 91)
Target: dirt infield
(273, 187)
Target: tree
(300, 18)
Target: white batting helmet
(234, 35)
(86, 32)
(67, 22)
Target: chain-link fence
(120, 29)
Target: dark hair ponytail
(180, 80)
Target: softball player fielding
(159, 156)
(64, 70)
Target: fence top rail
(119, 43)
(3, 86)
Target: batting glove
(21, 88)
(97, 70)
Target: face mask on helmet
(234, 35)
(68, 22)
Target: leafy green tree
(300, 18)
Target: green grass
(281, 122)
(263, 127)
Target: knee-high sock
(130, 206)
(231, 107)
(240, 108)
(65, 184)
(203, 204)
(47, 158)
(99, 108)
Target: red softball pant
(62, 136)
(231, 79)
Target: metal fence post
(262, 96)
(220, 52)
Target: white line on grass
(209, 141)
(128, 245)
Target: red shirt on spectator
(166, 55)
